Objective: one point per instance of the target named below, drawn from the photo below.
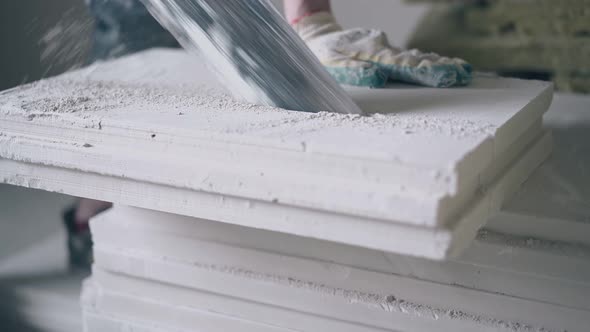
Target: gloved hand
(363, 57)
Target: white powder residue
(65, 44)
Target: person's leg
(79, 240)
(88, 208)
(364, 57)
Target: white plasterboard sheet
(496, 263)
(434, 243)
(417, 161)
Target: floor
(38, 292)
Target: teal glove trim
(373, 76)
(377, 75)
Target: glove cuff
(315, 24)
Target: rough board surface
(421, 157)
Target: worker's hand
(363, 57)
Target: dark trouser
(125, 27)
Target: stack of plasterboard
(308, 214)
(528, 270)
(171, 273)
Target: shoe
(79, 241)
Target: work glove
(363, 57)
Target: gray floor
(37, 291)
